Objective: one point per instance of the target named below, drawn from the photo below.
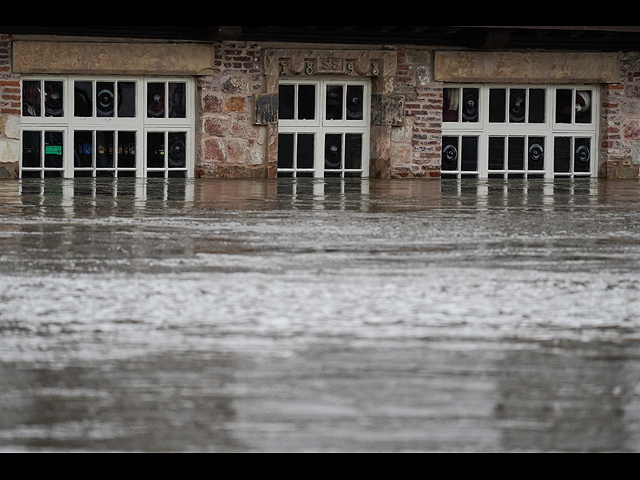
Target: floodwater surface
(319, 316)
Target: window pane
(177, 100)
(536, 153)
(498, 106)
(537, 106)
(470, 154)
(155, 150)
(333, 152)
(562, 155)
(31, 99)
(54, 151)
(127, 99)
(306, 102)
(516, 153)
(287, 102)
(54, 99)
(285, 150)
(353, 153)
(583, 155)
(106, 99)
(335, 102)
(518, 106)
(32, 149)
(178, 150)
(584, 102)
(564, 106)
(127, 149)
(104, 150)
(306, 151)
(451, 105)
(471, 105)
(83, 99)
(156, 100)
(355, 103)
(497, 152)
(450, 153)
(83, 150)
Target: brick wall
(230, 146)
(620, 137)
(9, 113)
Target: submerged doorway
(324, 128)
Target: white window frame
(142, 125)
(484, 130)
(321, 127)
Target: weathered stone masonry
(237, 87)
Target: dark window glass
(450, 153)
(355, 103)
(287, 102)
(333, 152)
(156, 105)
(518, 106)
(306, 151)
(564, 106)
(584, 107)
(498, 106)
(32, 149)
(127, 150)
(306, 102)
(470, 154)
(53, 149)
(54, 99)
(353, 153)
(83, 99)
(562, 152)
(451, 111)
(516, 153)
(335, 102)
(537, 105)
(178, 150)
(177, 100)
(83, 153)
(31, 99)
(285, 150)
(106, 99)
(127, 99)
(155, 150)
(583, 155)
(104, 150)
(536, 153)
(471, 105)
(496, 153)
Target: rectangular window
(107, 127)
(519, 131)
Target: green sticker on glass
(53, 150)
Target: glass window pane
(178, 150)
(104, 150)
(307, 102)
(537, 105)
(31, 99)
(285, 150)
(333, 152)
(335, 102)
(516, 153)
(518, 106)
(498, 106)
(564, 106)
(177, 100)
(83, 149)
(156, 100)
(155, 150)
(450, 153)
(470, 154)
(497, 152)
(306, 151)
(106, 99)
(451, 105)
(471, 105)
(287, 102)
(83, 97)
(32, 149)
(536, 153)
(355, 103)
(54, 99)
(127, 150)
(54, 150)
(583, 155)
(562, 154)
(127, 99)
(584, 104)
(353, 153)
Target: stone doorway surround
(388, 110)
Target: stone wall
(9, 113)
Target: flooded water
(275, 316)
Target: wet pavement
(275, 316)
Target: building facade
(323, 102)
